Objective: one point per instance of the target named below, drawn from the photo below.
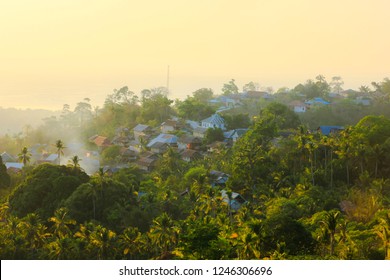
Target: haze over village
(210, 130)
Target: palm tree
(131, 242)
(248, 246)
(61, 223)
(383, 231)
(330, 223)
(63, 249)
(83, 238)
(75, 162)
(34, 232)
(164, 233)
(4, 210)
(345, 151)
(24, 156)
(60, 150)
(103, 242)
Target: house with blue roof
(317, 101)
(329, 129)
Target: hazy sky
(59, 51)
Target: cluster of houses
(38, 154)
(143, 145)
(299, 106)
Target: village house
(123, 141)
(49, 158)
(190, 155)
(159, 147)
(122, 137)
(14, 167)
(141, 130)
(216, 146)
(218, 178)
(100, 141)
(199, 132)
(192, 124)
(235, 134)
(164, 138)
(189, 142)
(298, 106)
(169, 126)
(329, 129)
(317, 101)
(235, 201)
(215, 121)
(135, 146)
(127, 155)
(147, 161)
(90, 163)
(228, 102)
(7, 157)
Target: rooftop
(215, 120)
(141, 127)
(164, 138)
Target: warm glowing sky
(59, 51)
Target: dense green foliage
(45, 189)
(5, 179)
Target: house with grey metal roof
(6, 157)
(215, 121)
(164, 138)
(141, 130)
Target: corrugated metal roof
(215, 120)
(140, 127)
(52, 157)
(15, 165)
(164, 138)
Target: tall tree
(75, 162)
(203, 95)
(230, 88)
(330, 222)
(61, 223)
(251, 86)
(164, 234)
(122, 96)
(24, 156)
(337, 83)
(382, 229)
(60, 150)
(5, 179)
(83, 110)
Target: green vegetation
(306, 195)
